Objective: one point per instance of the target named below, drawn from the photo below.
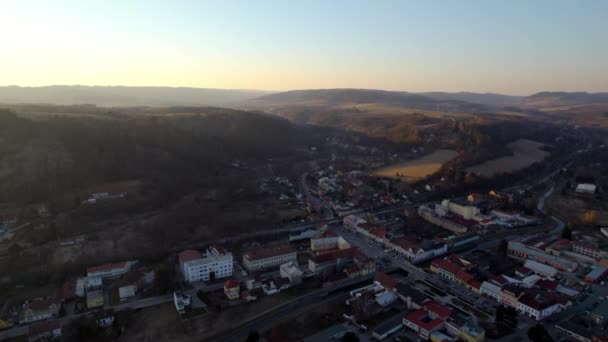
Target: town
(391, 266)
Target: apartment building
(215, 263)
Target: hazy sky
(514, 46)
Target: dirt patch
(416, 169)
(525, 153)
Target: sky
(514, 47)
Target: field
(525, 153)
(416, 169)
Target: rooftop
(189, 255)
(38, 328)
(107, 267)
(268, 252)
(385, 280)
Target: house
(461, 208)
(274, 286)
(291, 271)
(597, 274)
(331, 260)
(94, 299)
(427, 319)
(328, 240)
(510, 294)
(232, 289)
(216, 263)
(182, 302)
(491, 290)
(38, 310)
(104, 318)
(521, 251)
(587, 250)
(267, 257)
(44, 331)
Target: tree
(567, 232)
(350, 337)
(253, 336)
(538, 333)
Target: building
(104, 318)
(519, 250)
(45, 331)
(597, 274)
(427, 319)
(292, 272)
(332, 334)
(84, 284)
(510, 294)
(109, 270)
(307, 234)
(585, 188)
(586, 249)
(388, 327)
(352, 221)
(126, 291)
(94, 299)
(461, 208)
(332, 260)
(38, 310)
(329, 240)
(232, 289)
(464, 328)
(385, 281)
(267, 257)
(538, 305)
(413, 298)
(216, 263)
(541, 269)
(419, 252)
(182, 302)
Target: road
(267, 318)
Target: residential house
(232, 289)
(38, 310)
(418, 252)
(291, 271)
(182, 302)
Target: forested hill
(54, 153)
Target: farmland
(525, 153)
(416, 169)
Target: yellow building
(94, 299)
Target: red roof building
(189, 255)
(386, 281)
(427, 319)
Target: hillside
(57, 153)
(125, 96)
(350, 97)
(484, 99)
(560, 99)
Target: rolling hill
(125, 96)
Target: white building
(217, 263)
(291, 271)
(491, 290)
(542, 269)
(537, 307)
(353, 221)
(181, 302)
(328, 241)
(585, 188)
(466, 211)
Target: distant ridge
(125, 96)
(556, 99)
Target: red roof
(438, 309)
(474, 284)
(385, 280)
(418, 317)
(547, 284)
(446, 265)
(524, 270)
(189, 255)
(231, 283)
(499, 279)
(407, 244)
(41, 304)
(379, 232)
(106, 267)
(334, 254)
(463, 276)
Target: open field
(525, 153)
(413, 170)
